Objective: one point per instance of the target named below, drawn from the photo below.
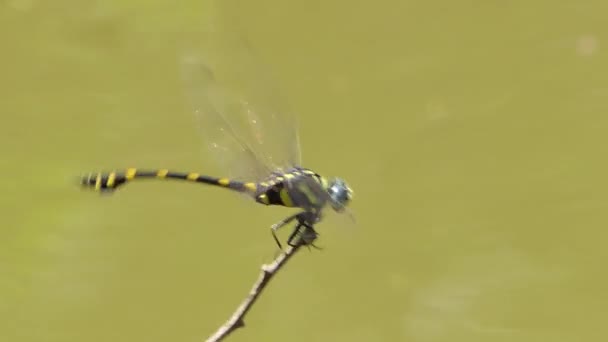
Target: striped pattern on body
(272, 191)
(111, 180)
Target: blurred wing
(240, 113)
(215, 110)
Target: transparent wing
(224, 136)
(241, 114)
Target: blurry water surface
(473, 133)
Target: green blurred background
(472, 132)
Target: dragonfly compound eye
(340, 194)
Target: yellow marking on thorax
(279, 179)
(285, 198)
(130, 174)
(162, 173)
(263, 198)
(312, 198)
(98, 181)
(324, 182)
(192, 176)
(264, 184)
(111, 179)
(289, 176)
(223, 181)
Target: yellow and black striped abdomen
(109, 181)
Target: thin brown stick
(237, 320)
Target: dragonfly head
(340, 194)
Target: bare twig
(237, 320)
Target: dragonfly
(257, 144)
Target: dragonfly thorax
(303, 188)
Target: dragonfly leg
(275, 227)
(303, 234)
